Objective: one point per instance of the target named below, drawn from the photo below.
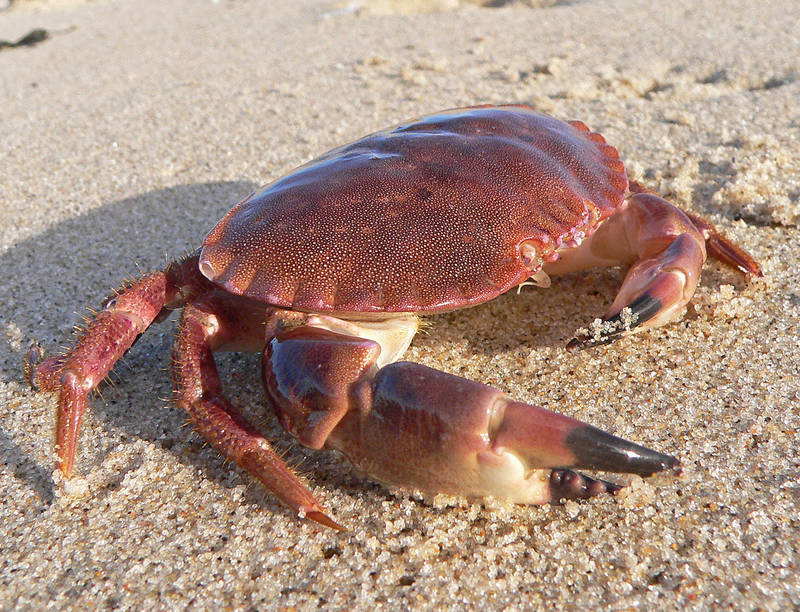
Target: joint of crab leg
(107, 338)
(723, 249)
(42, 375)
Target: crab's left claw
(409, 425)
(667, 248)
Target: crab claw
(667, 248)
(412, 426)
(547, 439)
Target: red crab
(327, 271)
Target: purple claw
(566, 484)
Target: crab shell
(440, 213)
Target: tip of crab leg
(324, 519)
(723, 249)
(637, 312)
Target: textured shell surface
(426, 216)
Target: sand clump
(766, 186)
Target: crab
(327, 271)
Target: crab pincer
(410, 425)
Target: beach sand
(130, 130)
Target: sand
(136, 125)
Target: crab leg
(667, 249)
(198, 390)
(114, 330)
(718, 245)
(411, 425)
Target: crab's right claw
(439, 432)
(409, 425)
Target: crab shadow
(530, 318)
(26, 469)
(71, 267)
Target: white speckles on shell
(428, 216)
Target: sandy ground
(129, 132)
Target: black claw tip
(582, 341)
(566, 484)
(640, 310)
(611, 487)
(643, 308)
(675, 466)
(595, 449)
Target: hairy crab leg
(667, 249)
(124, 317)
(198, 390)
(410, 425)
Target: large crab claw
(410, 425)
